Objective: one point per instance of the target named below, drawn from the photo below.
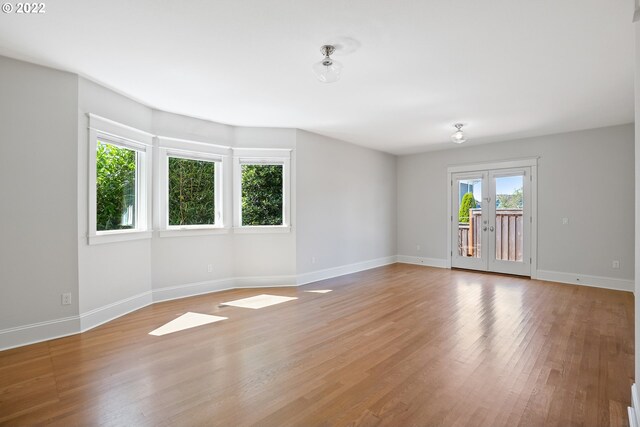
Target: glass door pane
(468, 223)
(509, 213)
(510, 221)
(469, 218)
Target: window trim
(191, 150)
(265, 156)
(152, 182)
(126, 137)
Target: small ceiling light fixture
(328, 70)
(458, 136)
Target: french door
(491, 220)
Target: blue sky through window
(477, 191)
(508, 184)
(504, 185)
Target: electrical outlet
(210, 268)
(313, 260)
(66, 298)
(565, 221)
(417, 247)
(615, 264)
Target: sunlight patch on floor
(320, 291)
(186, 321)
(259, 301)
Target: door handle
(491, 228)
(484, 228)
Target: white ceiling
(506, 68)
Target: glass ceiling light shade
(458, 136)
(328, 70)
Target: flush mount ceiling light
(458, 136)
(328, 70)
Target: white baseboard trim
(192, 289)
(429, 262)
(199, 288)
(586, 280)
(106, 313)
(57, 328)
(38, 332)
(314, 276)
(551, 276)
(265, 282)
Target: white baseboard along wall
(57, 328)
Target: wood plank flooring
(395, 346)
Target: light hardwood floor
(395, 346)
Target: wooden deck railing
(508, 232)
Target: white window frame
(133, 139)
(191, 150)
(266, 156)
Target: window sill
(262, 229)
(197, 231)
(118, 236)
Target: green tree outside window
(115, 187)
(510, 201)
(468, 202)
(191, 192)
(262, 195)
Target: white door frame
(511, 267)
(472, 263)
(506, 164)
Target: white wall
(114, 271)
(346, 203)
(637, 199)
(586, 176)
(352, 208)
(180, 261)
(189, 128)
(38, 221)
(174, 266)
(269, 255)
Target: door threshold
(493, 273)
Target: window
(118, 178)
(190, 196)
(262, 190)
(262, 195)
(190, 185)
